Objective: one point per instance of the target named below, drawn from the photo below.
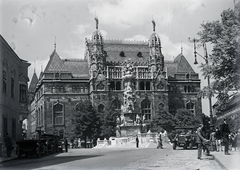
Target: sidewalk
(4, 157)
(229, 162)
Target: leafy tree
(109, 121)
(223, 66)
(86, 120)
(184, 117)
(162, 121)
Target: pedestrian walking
(66, 144)
(137, 141)
(213, 140)
(201, 141)
(218, 140)
(225, 135)
(159, 141)
(8, 144)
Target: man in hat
(225, 135)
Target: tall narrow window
(190, 107)
(141, 85)
(146, 109)
(118, 85)
(148, 85)
(14, 128)
(4, 81)
(23, 93)
(58, 114)
(12, 87)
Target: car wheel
(174, 146)
(191, 145)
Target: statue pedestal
(129, 130)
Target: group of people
(158, 138)
(219, 138)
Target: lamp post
(205, 57)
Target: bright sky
(30, 27)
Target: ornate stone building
(158, 84)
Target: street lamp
(205, 57)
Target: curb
(8, 160)
(219, 162)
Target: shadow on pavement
(33, 162)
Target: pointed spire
(181, 48)
(154, 25)
(55, 46)
(96, 19)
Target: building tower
(156, 56)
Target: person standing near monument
(137, 141)
(225, 135)
(66, 144)
(159, 141)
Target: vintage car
(30, 148)
(185, 137)
(51, 143)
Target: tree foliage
(184, 117)
(86, 120)
(163, 120)
(223, 66)
(109, 121)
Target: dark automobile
(51, 143)
(30, 148)
(185, 137)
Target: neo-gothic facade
(159, 84)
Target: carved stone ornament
(100, 86)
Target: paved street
(127, 158)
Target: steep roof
(183, 65)
(78, 68)
(131, 50)
(33, 83)
(55, 64)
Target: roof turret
(154, 40)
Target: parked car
(30, 148)
(51, 143)
(185, 137)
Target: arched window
(57, 89)
(73, 89)
(148, 85)
(141, 85)
(117, 104)
(190, 107)
(187, 76)
(53, 89)
(101, 108)
(77, 89)
(58, 114)
(185, 89)
(61, 89)
(112, 85)
(118, 85)
(189, 88)
(146, 109)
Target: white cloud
(125, 14)
(80, 30)
(138, 37)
